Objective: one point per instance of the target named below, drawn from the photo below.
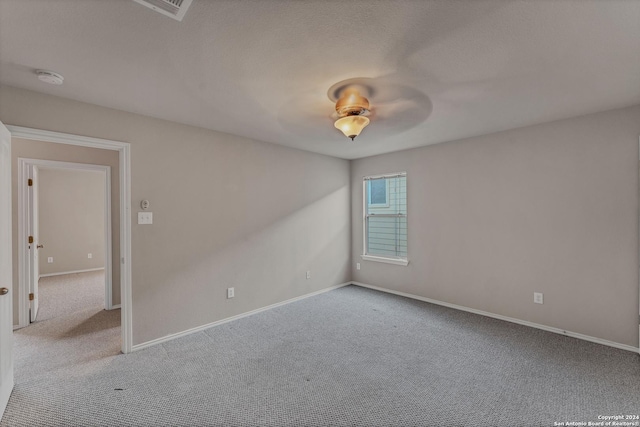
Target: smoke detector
(172, 8)
(49, 77)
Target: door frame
(124, 155)
(24, 217)
(29, 257)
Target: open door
(34, 243)
(6, 284)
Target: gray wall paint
(71, 217)
(551, 208)
(228, 211)
(63, 153)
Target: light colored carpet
(60, 296)
(349, 357)
(72, 329)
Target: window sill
(396, 261)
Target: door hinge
(30, 182)
(31, 297)
(30, 239)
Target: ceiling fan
(383, 105)
(389, 105)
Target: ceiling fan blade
(401, 114)
(308, 113)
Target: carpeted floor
(60, 296)
(72, 329)
(349, 357)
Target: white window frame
(378, 258)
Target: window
(385, 218)
(378, 193)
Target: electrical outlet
(50, 260)
(230, 293)
(357, 266)
(89, 255)
(537, 298)
(308, 274)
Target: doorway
(65, 224)
(121, 263)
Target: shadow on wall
(266, 266)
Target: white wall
(71, 218)
(551, 208)
(228, 212)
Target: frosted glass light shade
(351, 126)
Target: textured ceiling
(445, 69)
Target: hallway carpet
(72, 329)
(349, 357)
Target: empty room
(319, 213)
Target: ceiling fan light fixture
(351, 126)
(352, 109)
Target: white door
(6, 299)
(34, 243)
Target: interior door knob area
(4, 291)
(39, 246)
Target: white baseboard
(71, 272)
(505, 318)
(232, 318)
(18, 326)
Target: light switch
(145, 217)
